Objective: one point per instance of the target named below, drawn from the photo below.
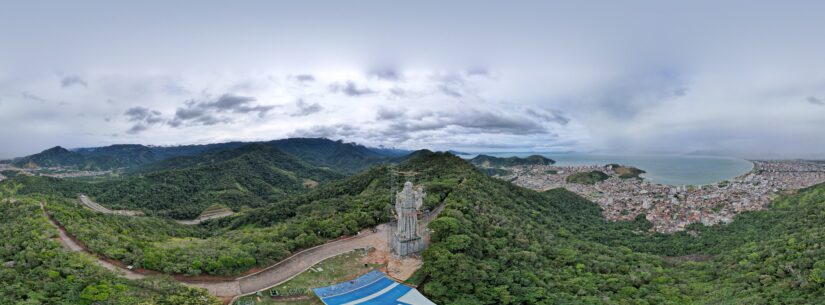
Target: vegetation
(251, 176)
(626, 172)
(256, 237)
(114, 156)
(491, 171)
(495, 243)
(36, 270)
(346, 158)
(490, 161)
(591, 177)
(331, 271)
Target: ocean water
(663, 169)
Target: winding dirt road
(267, 277)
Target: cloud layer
(563, 76)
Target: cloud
(385, 113)
(553, 116)
(142, 118)
(350, 89)
(304, 78)
(386, 74)
(334, 131)
(137, 128)
(73, 80)
(305, 109)
(816, 101)
(478, 120)
(211, 112)
(32, 97)
(452, 84)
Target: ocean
(663, 169)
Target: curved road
(268, 277)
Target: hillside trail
(272, 275)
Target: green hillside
(591, 177)
(37, 270)
(496, 243)
(56, 156)
(251, 176)
(347, 158)
(490, 161)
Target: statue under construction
(407, 238)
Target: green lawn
(331, 271)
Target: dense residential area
(673, 208)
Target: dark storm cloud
(305, 109)
(73, 80)
(350, 89)
(216, 111)
(816, 101)
(137, 128)
(142, 118)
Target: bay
(663, 169)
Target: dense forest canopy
(345, 158)
(495, 243)
(37, 270)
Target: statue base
(406, 246)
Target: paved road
(268, 277)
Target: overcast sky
(742, 78)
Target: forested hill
(56, 156)
(347, 158)
(343, 157)
(494, 243)
(114, 156)
(490, 161)
(251, 175)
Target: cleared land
(94, 206)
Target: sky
(736, 78)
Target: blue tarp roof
(374, 288)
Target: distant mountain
(251, 175)
(114, 156)
(56, 156)
(390, 152)
(459, 153)
(348, 158)
(490, 161)
(339, 156)
(134, 155)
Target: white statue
(407, 203)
